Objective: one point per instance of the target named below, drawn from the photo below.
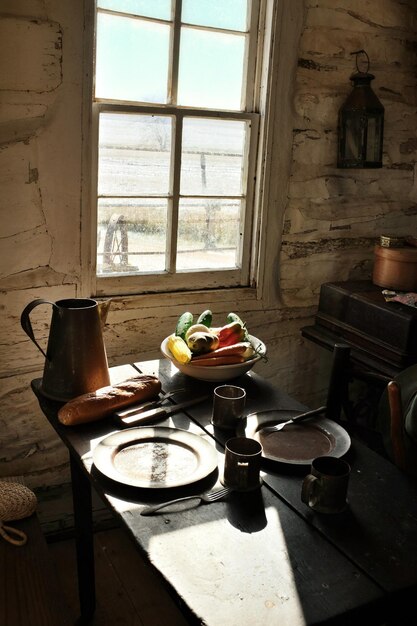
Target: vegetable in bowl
(212, 353)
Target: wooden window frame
(278, 43)
(173, 279)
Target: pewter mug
(75, 358)
(228, 405)
(325, 488)
(242, 464)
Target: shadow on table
(246, 511)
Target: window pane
(209, 234)
(131, 235)
(131, 59)
(134, 154)
(211, 69)
(212, 157)
(150, 8)
(219, 13)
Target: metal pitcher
(75, 358)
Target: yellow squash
(179, 349)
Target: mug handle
(26, 323)
(308, 488)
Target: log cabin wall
(325, 227)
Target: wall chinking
(328, 221)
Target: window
(176, 124)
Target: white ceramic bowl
(216, 373)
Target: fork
(211, 496)
(293, 420)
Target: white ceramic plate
(155, 457)
(216, 373)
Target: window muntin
(175, 175)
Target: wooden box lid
(358, 312)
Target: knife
(143, 406)
(146, 417)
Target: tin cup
(242, 464)
(325, 488)
(228, 406)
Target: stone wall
(40, 172)
(334, 216)
(325, 220)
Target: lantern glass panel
(361, 123)
(374, 139)
(354, 137)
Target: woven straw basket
(16, 502)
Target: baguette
(95, 405)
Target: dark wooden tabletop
(264, 557)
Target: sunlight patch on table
(220, 548)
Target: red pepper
(230, 334)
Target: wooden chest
(357, 312)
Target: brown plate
(155, 457)
(299, 443)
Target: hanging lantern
(361, 123)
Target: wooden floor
(128, 592)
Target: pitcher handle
(26, 323)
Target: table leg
(84, 539)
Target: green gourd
(184, 322)
(205, 318)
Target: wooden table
(261, 557)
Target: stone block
(30, 55)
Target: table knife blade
(143, 406)
(152, 415)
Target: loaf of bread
(95, 405)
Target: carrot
(236, 348)
(220, 360)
